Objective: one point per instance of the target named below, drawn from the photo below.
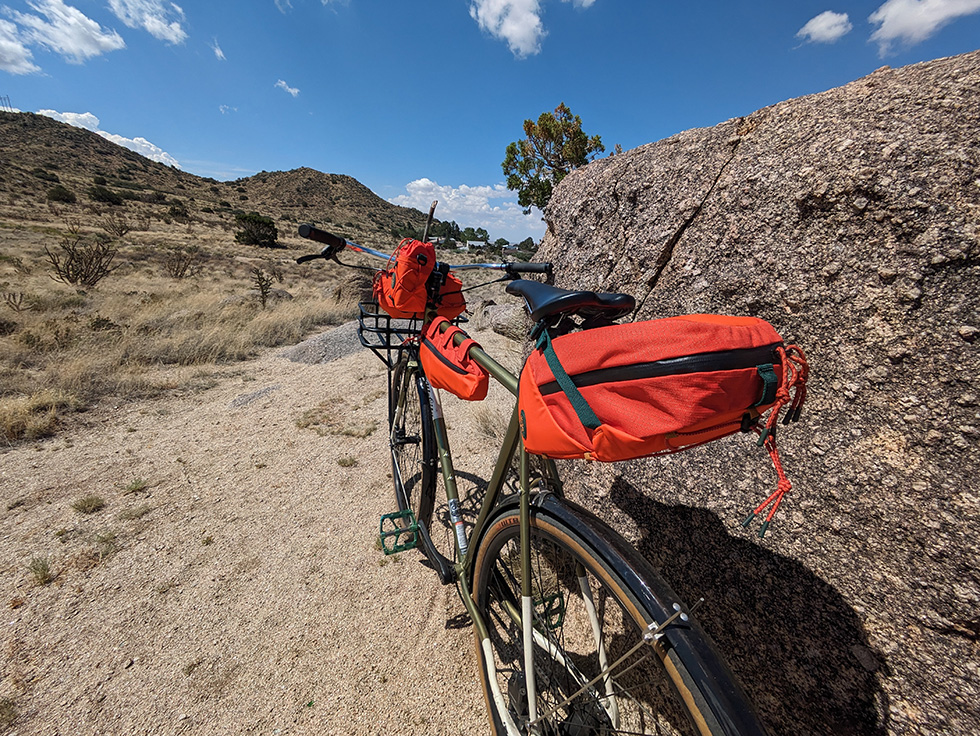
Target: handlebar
(321, 236)
(335, 244)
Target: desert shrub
(99, 180)
(101, 194)
(256, 229)
(115, 224)
(154, 197)
(81, 263)
(60, 193)
(182, 262)
(45, 175)
(178, 209)
(263, 284)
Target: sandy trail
(241, 591)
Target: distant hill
(37, 152)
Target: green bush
(178, 209)
(101, 194)
(59, 193)
(45, 175)
(256, 229)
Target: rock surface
(849, 219)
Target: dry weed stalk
(181, 262)
(115, 224)
(15, 300)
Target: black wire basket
(384, 335)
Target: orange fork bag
(448, 365)
(400, 288)
(630, 390)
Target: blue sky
(418, 100)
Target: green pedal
(399, 532)
(549, 612)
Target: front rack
(384, 335)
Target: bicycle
(575, 632)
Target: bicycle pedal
(399, 532)
(549, 611)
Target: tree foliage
(554, 145)
(256, 229)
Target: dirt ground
(241, 590)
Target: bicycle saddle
(544, 300)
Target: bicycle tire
(677, 684)
(412, 441)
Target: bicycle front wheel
(597, 668)
(412, 439)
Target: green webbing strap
(579, 404)
(769, 384)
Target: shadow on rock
(799, 649)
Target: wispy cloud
(913, 21)
(225, 109)
(90, 122)
(518, 22)
(491, 207)
(284, 5)
(218, 53)
(825, 28)
(161, 20)
(286, 88)
(66, 31)
(15, 57)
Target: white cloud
(90, 122)
(825, 28)
(284, 5)
(67, 31)
(581, 3)
(518, 22)
(218, 53)
(161, 20)
(15, 57)
(225, 109)
(494, 208)
(286, 88)
(913, 21)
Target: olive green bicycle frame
(466, 553)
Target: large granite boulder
(850, 220)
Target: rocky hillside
(37, 153)
(849, 219)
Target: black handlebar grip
(321, 236)
(530, 267)
(304, 259)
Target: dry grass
(40, 568)
(62, 349)
(8, 713)
(89, 504)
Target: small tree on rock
(256, 229)
(555, 145)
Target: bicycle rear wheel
(593, 599)
(412, 439)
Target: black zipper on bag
(445, 361)
(725, 360)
